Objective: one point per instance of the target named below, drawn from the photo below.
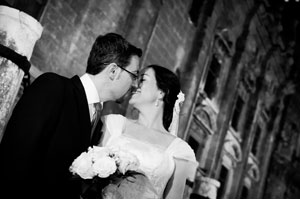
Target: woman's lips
(136, 91)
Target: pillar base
(208, 187)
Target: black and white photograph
(150, 99)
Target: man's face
(128, 77)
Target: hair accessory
(173, 129)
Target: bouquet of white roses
(100, 166)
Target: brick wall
(172, 35)
(70, 27)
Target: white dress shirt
(91, 93)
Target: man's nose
(135, 84)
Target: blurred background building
(238, 62)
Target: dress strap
(113, 127)
(181, 149)
(115, 124)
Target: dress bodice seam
(143, 141)
(121, 133)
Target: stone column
(19, 32)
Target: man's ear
(113, 71)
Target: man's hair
(110, 48)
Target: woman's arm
(176, 184)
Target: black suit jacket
(49, 127)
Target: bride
(166, 160)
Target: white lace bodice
(155, 161)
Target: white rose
(82, 166)
(133, 166)
(99, 152)
(104, 167)
(114, 149)
(127, 161)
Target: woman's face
(147, 92)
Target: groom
(51, 124)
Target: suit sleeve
(29, 127)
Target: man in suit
(51, 124)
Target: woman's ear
(161, 95)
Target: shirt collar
(90, 89)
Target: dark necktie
(95, 132)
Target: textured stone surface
(19, 32)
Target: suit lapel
(83, 110)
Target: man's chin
(120, 100)
(124, 98)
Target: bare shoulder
(168, 136)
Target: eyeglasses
(134, 76)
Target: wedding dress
(156, 162)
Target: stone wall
(283, 176)
(70, 28)
(162, 30)
(235, 44)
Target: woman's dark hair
(110, 48)
(169, 83)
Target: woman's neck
(152, 118)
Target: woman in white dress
(166, 160)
